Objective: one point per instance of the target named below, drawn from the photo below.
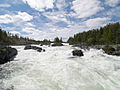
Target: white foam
(56, 69)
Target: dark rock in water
(117, 53)
(34, 48)
(43, 50)
(111, 51)
(39, 50)
(108, 49)
(7, 54)
(27, 47)
(77, 53)
(41, 44)
(57, 44)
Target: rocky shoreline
(8, 53)
(108, 49)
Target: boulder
(7, 54)
(39, 50)
(117, 53)
(27, 47)
(111, 51)
(108, 49)
(34, 48)
(57, 44)
(77, 53)
(43, 50)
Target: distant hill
(109, 34)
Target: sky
(47, 19)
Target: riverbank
(108, 49)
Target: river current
(57, 69)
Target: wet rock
(111, 50)
(27, 47)
(108, 49)
(7, 54)
(117, 53)
(77, 53)
(34, 48)
(39, 50)
(57, 44)
(41, 44)
(43, 50)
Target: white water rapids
(57, 69)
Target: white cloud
(5, 5)
(20, 17)
(6, 18)
(29, 30)
(23, 16)
(40, 4)
(29, 24)
(52, 31)
(38, 34)
(96, 22)
(112, 3)
(86, 8)
(40, 27)
(61, 4)
(56, 16)
(15, 32)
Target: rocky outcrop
(111, 50)
(108, 49)
(117, 53)
(7, 54)
(77, 53)
(27, 47)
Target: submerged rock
(7, 54)
(77, 53)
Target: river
(57, 69)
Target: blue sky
(47, 19)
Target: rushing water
(57, 69)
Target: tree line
(109, 34)
(7, 38)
